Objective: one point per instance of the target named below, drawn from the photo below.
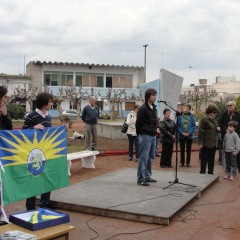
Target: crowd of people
(146, 130)
(215, 131)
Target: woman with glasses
(207, 138)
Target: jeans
(231, 164)
(147, 145)
(220, 150)
(133, 140)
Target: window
(93, 81)
(99, 81)
(109, 82)
(85, 80)
(129, 106)
(78, 81)
(54, 80)
(69, 81)
(58, 79)
(47, 79)
(119, 81)
(89, 79)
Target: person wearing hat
(230, 115)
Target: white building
(11, 82)
(90, 79)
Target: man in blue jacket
(186, 129)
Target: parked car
(71, 114)
(54, 113)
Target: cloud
(200, 33)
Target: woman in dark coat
(207, 138)
(5, 124)
(167, 129)
(5, 120)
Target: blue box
(43, 216)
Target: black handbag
(124, 127)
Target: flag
(41, 215)
(32, 162)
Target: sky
(180, 33)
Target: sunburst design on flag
(21, 150)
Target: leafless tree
(76, 94)
(26, 93)
(57, 98)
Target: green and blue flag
(32, 162)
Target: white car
(71, 114)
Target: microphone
(159, 101)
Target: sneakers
(151, 180)
(143, 183)
(188, 165)
(232, 178)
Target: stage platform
(118, 195)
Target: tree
(27, 93)
(198, 98)
(58, 98)
(75, 94)
(237, 100)
(116, 96)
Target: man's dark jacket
(147, 122)
(225, 119)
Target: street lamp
(197, 70)
(145, 53)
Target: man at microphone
(147, 128)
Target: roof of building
(11, 76)
(83, 64)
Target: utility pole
(145, 53)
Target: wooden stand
(55, 232)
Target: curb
(125, 152)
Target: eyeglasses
(229, 105)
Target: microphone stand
(176, 181)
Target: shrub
(65, 120)
(16, 111)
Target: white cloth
(131, 122)
(77, 135)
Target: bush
(65, 120)
(198, 116)
(16, 111)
